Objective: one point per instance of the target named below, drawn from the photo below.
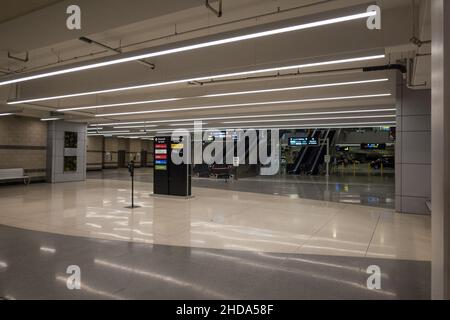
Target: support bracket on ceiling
(90, 41)
(26, 59)
(217, 12)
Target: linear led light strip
(310, 119)
(121, 104)
(183, 124)
(244, 105)
(238, 117)
(274, 120)
(100, 133)
(218, 76)
(292, 126)
(133, 103)
(50, 119)
(287, 120)
(195, 46)
(190, 125)
(113, 132)
(312, 125)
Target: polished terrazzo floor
(369, 189)
(221, 244)
(33, 266)
(218, 219)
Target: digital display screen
(342, 148)
(302, 141)
(373, 146)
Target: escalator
(311, 158)
(244, 170)
(304, 154)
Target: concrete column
(412, 150)
(440, 74)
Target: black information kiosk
(170, 178)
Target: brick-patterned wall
(147, 145)
(23, 144)
(111, 147)
(135, 151)
(94, 154)
(96, 149)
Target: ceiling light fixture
(50, 119)
(243, 117)
(310, 119)
(112, 131)
(134, 127)
(315, 125)
(294, 126)
(146, 55)
(244, 105)
(133, 103)
(191, 124)
(120, 104)
(184, 124)
(218, 76)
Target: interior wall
(135, 148)
(110, 152)
(23, 144)
(147, 145)
(108, 149)
(94, 153)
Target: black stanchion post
(131, 171)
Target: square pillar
(440, 110)
(66, 151)
(412, 149)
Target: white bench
(14, 174)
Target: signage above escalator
(373, 146)
(302, 141)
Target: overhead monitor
(373, 146)
(302, 141)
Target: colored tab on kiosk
(161, 156)
(177, 146)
